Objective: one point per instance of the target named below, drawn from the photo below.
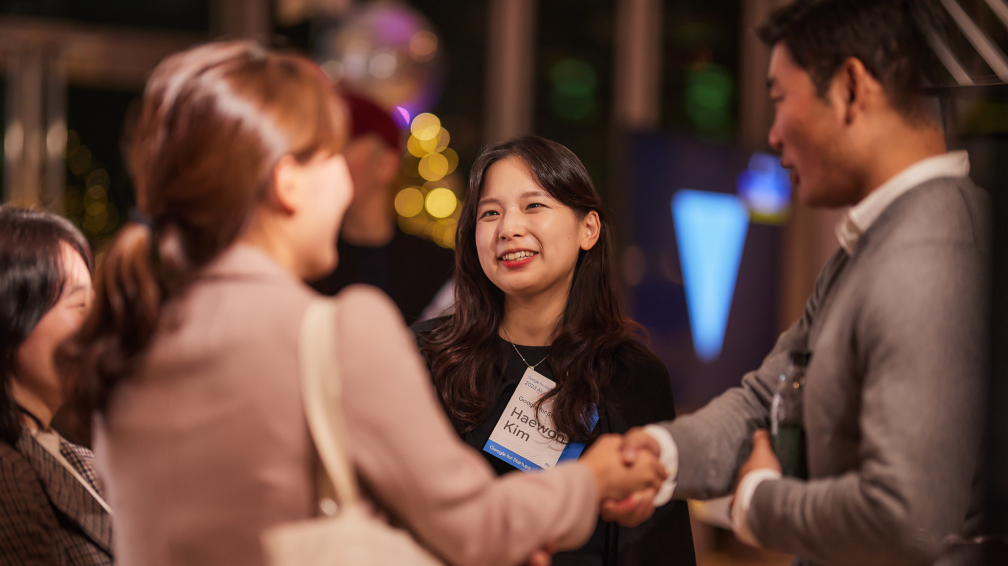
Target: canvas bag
(352, 536)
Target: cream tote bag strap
(321, 389)
(350, 535)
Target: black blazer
(46, 516)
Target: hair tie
(141, 218)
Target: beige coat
(207, 445)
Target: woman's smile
(518, 258)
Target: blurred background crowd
(664, 101)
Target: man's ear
(591, 227)
(854, 88)
(287, 190)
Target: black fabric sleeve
(665, 538)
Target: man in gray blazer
(895, 323)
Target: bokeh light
(423, 46)
(88, 205)
(443, 232)
(433, 167)
(409, 202)
(573, 95)
(383, 64)
(415, 148)
(452, 158)
(442, 140)
(425, 126)
(430, 210)
(441, 202)
(709, 91)
(387, 52)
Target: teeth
(515, 256)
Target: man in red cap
(372, 250)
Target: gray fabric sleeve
(920, 337)
(716, 440)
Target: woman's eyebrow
(534, 194)
(488, 200)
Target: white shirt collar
(862, 215)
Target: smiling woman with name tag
(537, 359)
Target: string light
(430, 210)
(441, 203)
(433, 167)
(89, 205)
(409, 202)
(425, 126)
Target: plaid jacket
(47, 517)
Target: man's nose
(774, 138)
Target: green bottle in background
(787, 431)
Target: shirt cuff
(743, 500)
(669, 457)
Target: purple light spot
(405, 116)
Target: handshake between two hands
(630, 499)
(629, 473)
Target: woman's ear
(590, 227)
(287, 192)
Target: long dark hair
(592, 336)
(32, 277)
(211, 127)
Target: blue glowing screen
(710, 230)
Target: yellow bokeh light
(414, 225)
(415, 147)
(433, 167)
(429, 146)
(443, 232)
(425, 126)
(452, 159)
(441, 203)
(409, 202)
(442, 140)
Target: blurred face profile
(527, 241)
(35, 369)
(809, 131)
(327, 189)
(373, 165)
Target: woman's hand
(616, 479)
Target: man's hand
(616, 479)
(762, 455)
(631, 511)
(636, 440)
(639, 506)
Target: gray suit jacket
(893, 393)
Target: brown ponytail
(213, 123)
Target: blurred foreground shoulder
(369, 306)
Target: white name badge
(526, 440)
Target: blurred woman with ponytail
(189, 360)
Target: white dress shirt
(855, 223)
